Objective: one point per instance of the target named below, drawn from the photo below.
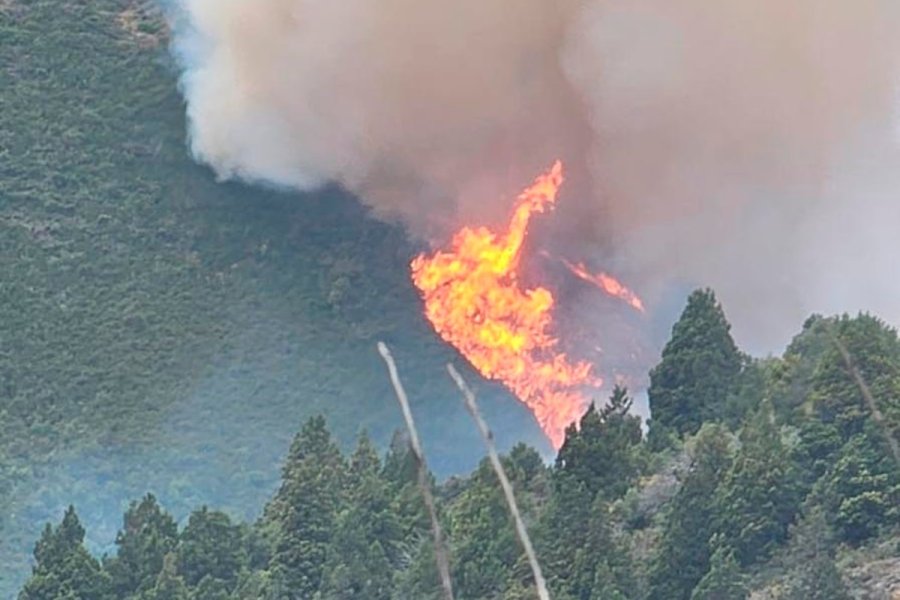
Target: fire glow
(608, 284)
(474, 300)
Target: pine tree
(875, 352)
(485, 547)
(604, 452)
(699, 370)
(210, 547)
(682, 557)
(168, 585)
(400, 472)
(64, 569)
(814, 575)
(862, 489)
(362, 554)
(759, 496)
(210, 588)
(600, 566)
(304, 509)
(724, 580)
(148, 534)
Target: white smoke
(748, 145)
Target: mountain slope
(160, 330)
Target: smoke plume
(748, 145)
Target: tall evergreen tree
(682, 557)
(148, 534)
(600, 566)
(362, 554)
(488, 557)
(862, 488)
(485, 547)
(874, 350)
(400, 471)
(304, 509)
(699, 370)
(724, 580)
(562, 530)
(64, 569)
(813, 575)
(210, 547)
(759, 496)
(604, 453)
(169, 584)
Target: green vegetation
(162, 330)
(740, 515)
(699, 371)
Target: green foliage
(363, 553)
(862, 488)
(603, 453)
(64, 570)
(724, 580)
(682, 556)
(835, 396)
(159, 327)
(485, 548)
(758, 497)
(699, 370)
(305, 508)
(168, 585)
(814, 575)
(210, 547)
(147, 537)
(355, 528)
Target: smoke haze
(748, 145)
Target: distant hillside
(162, 331)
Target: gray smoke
(749, 145)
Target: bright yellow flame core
(474, 301)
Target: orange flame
(607, 283)
(474, 301)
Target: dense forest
(777, 477)
(159, 328)
(163, 332)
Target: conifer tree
(64, 569)
(485, 547)
(304, 509)
(600, 566)
(814, 575)
(699, 370)
(210, 547)
(862, 488)
(148, 534)
(604, 452)
(759, 496)
(362, 554)
(488, 557)
(400, 472)
(874, 350)
(724, 580)
(682, 557)
(168, 585)
(562, 530)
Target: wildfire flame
(474, 300)
(607, 283)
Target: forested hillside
(161, 330)
(774, 477)
(165, 333)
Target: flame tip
(474, 301)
